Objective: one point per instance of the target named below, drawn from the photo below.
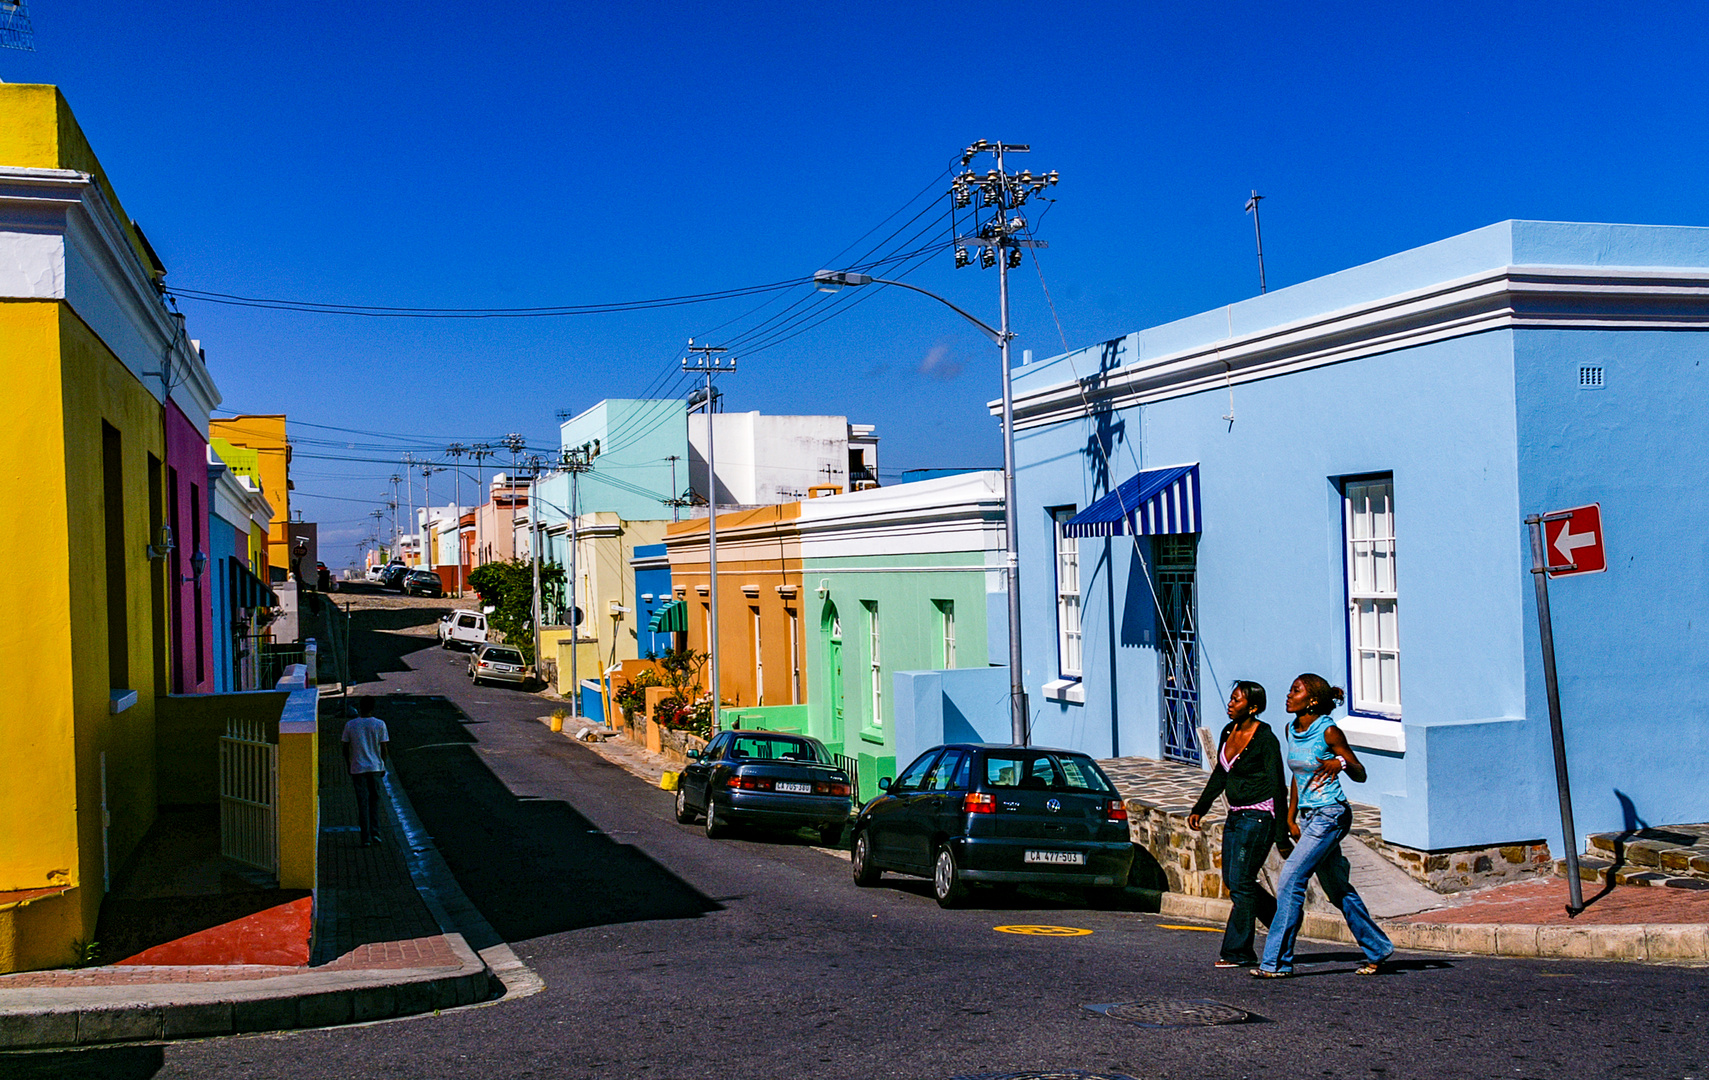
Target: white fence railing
(249, 794)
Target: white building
(763, 460)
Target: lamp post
(831, 281)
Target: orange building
(761, 658)
(265, 436)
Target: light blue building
(639, 454)
(1332, 478)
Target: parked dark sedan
(997, 816)
(767, 778)
(423, 583)
(392, 577)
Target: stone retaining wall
(1190, 863)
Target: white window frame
(1069, 639)
(759, 660)
(794, 657)
(946, 620)
(1373, 596)
(876, 658)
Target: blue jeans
(1318, 851)
(1246, 839)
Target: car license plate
(1064, 858)
(794, 789)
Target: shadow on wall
(532, 866)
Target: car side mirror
(884, 783)
(694, 755)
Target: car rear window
(774, 749)
(502, 656)
(1042, 771)
(467, 620)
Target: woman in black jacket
(1249, 770)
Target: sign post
(1573, 546)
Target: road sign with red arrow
(1572, 541)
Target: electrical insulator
(961, 257)
(963, 197)
(1014, 257)
(987, 258)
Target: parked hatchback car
(499, 663)
(997, 816)
(767, 778)
(392, 577)
(466, 628)
(423, 583)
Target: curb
(44, 1017)
(1657, 943)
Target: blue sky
(513, 155)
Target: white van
(465, 628)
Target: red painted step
(278, 935)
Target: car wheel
(947, 885)
(1107, 898)
(684, 815)
(860, 861)
(716, 827)
(831, 835)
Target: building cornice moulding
(71, 204)
(1508, 297)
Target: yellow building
(264, 438)
(605, 591)
(83, 651)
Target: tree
(508, 588)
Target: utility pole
(707, 360)
(480, 452)
(1000, 238)
(409, 490)
(393, 546)
(675, 501)
(534, 548)
(427, 472)
(575, 462)
(1252, 208)
(455, 452)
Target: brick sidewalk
(366, 895)
(1542, 902)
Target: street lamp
(831, 281)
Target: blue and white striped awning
(1153, 503)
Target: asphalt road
(669, 955)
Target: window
(915, 774)
(759, 660)
(113, 513)
(946, 619)
(943, 774)
(876, 660)
(1067, 594)
(794, 657)
(1372, 599)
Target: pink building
(190, 614)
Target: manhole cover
(1166, 1014)
(1053, 1074)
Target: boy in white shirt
(365, 747)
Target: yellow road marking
(1200, 929)
(1043, 931)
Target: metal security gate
(249, 795)
(1177, 595)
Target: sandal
(1261, 973)
(1370, 967)
(1236, 963)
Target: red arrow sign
(1572, 541)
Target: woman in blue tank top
(1318, 820)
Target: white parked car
(465, 628)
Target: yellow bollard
(557, 721)
(668, 781)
